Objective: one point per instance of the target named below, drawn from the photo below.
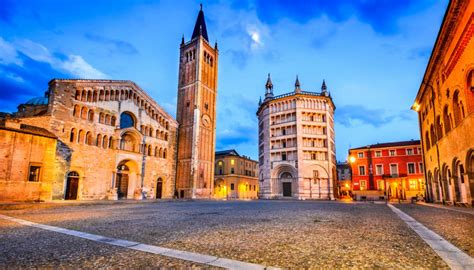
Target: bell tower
(196, 114)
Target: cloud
(232, 137)
(114, 44)
(421, 52)
(76, 65)
(8, 54)
(352, 115)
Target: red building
(387, 170)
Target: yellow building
(235, 176)
(445, 106)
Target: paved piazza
(288, 234)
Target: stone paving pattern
(276, 233)
(455, 227)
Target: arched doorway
(470, 174)
(122, 181)
(72, 184)
(159, 188)
(286, 186)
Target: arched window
(166, 136)
(156, 151)
(127, 120)
(72, 138)
(94, 97)
(107, 95)
(112, 120)
(432, 135)
(80, 137)
(112, 143)
(98, 142)
(161, 153)
(149, 150)
(78, 95)
(89, 138)
(107, 119)
(84, 95)
(164, 153)
(84, 113)
(457, 111)
(101, 95)
(446, 120)
(101, 118)
(91, 115)
(77, 111)
(439, 127)
(104, 142)
(427, 141)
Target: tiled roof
(227, 152)
(29, 130)
(389, 144)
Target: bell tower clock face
(206, 120)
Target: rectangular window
(392, 153)
(411, 168)
(34, 175)
(363, 184)
(360, 155)
(361, 170)
(378, 153)
(409, 152)
(394, 169)
(232, 170)
(421, 167)
(283, 156)
(378, 169)
(232, 186)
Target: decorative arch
(457, 111)
(127, 119)
(130, 141)
(72, 137)
(446, 120)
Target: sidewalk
(469, 210)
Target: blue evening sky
(372, 54)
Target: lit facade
(387, 171)
(235, 176)
(445, 106)
(196, 114)
(296, 144)
(113, 141)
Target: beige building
(445, 106)
(27, 162)
(196, 114)
(297, 157)
(235, 176)
(113, 141)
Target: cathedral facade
(297, 155)
(108, 139)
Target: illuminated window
(380, 184)
(378, 153)
(232, 162)
(413, 184)
(360, 155)
(220, 163)
(361, 170)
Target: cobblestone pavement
(290, 234)
(455, 227)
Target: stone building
(27, 161)
(445, 106)
(296, 144)
(387, 171)
(236, 176)
(113, 140)
(196, 114)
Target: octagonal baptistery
(297, 156)
(114, 140)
